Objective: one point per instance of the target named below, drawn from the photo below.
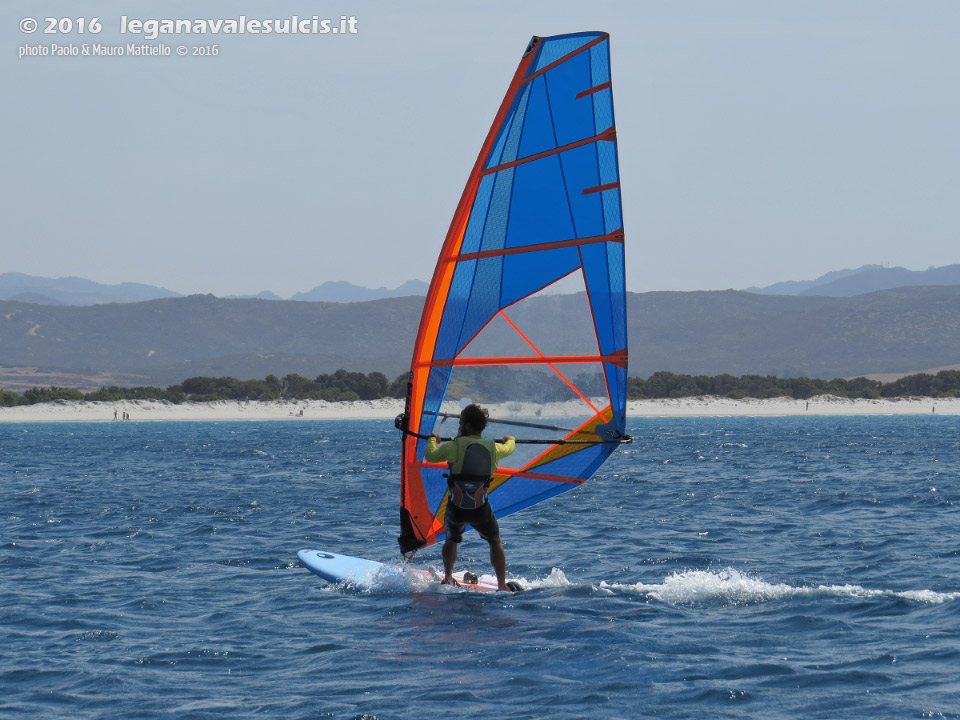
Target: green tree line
(944, 384)
(343, 386)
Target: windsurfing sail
(526, 312)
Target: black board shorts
(482, 519)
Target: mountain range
(74, 291)
(77, 291)
(865, 279)
(162, 342)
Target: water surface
(718, 567)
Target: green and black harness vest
(470, 476)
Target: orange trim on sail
(616, 236)
(601, 188)
(618, 358)
(443, 273)
(610, 134)
(595, 89)
(539, 476)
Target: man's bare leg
(449, 554)
(498, 558)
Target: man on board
(473, 460)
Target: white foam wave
(395, 580)
(690, 587)
(729, 585)
(556, 579)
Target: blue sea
(716, 568)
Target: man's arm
(444, 453)
(507, 447)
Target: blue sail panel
(520, 276)
(539, 211)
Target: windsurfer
(473, 460)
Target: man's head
(473, 420)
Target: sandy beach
(229, 411)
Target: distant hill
(891, 331)
(885, 279)
(165, 341)
(262, 295)
(77, 291)
(865, 279)
(701, 333)
(799, 287)
(339, 291)
(74, 291)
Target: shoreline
(387, 409)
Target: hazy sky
(760, 140)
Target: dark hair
(475, 416)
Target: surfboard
(362, 574)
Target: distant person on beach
(473, 461)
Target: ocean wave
(692, 587)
